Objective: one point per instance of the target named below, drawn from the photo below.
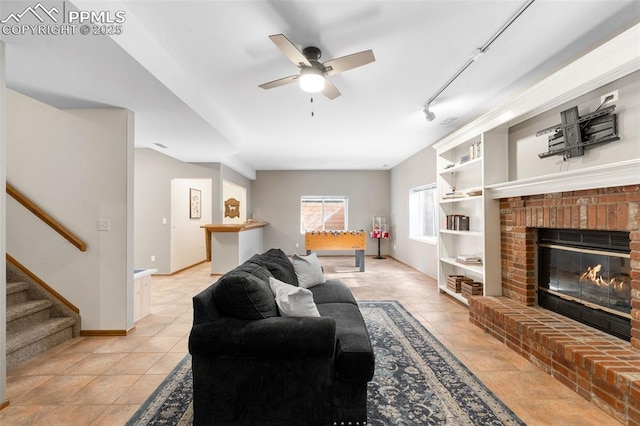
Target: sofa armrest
(277, 337)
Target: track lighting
(429, 115)
(475, 55)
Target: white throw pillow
(308, 270)
(293, 301)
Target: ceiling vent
(448, 121)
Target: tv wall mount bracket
(575, 133)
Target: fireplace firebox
(585, 275)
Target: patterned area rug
(417, 381)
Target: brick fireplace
(607, 209)
(601, 368)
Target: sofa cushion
(332, 291)
(244, 293)
(293, 301)
(308, 270)
(354, 354)
(278, 264)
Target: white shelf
(454, 294)
(476, 162)
(466, 233)
(460, 199)
(608, 175)
(471, 268)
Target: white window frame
(416, 214)
(323, 199)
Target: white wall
(76, 164)
(276, 199)
(524, 146)
(187, 238)
(417, 170)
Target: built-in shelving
(460, 175)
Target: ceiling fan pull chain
(312, 114)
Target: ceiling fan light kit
(313, 74)
(311, 80)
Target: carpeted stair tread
(16, 287)
(37, 332)
(23, 309)
(17, 292)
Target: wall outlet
(164, 220)
(153, 258)
(615, 97)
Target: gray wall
(276, 199)
(231, 175)
(417, 170)
(225, 173)
(524, 146)
(152, 198)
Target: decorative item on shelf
(469, 259)
(465, 158)
(474, 192)
(453, 194)
(472, 288)
(576, 133)
(475, 150)
(450, 165)
(379, 230)
(454, 282)
(457, 222)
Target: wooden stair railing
(42, 215)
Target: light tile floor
(103, 380)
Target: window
(323, 213)
(422, 213)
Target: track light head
(429, 115)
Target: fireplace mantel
(622, 173)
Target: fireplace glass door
(589, 277)
(585, 275)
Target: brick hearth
(601, 368)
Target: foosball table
(338, 240)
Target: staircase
(36, 320)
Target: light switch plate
(104, 225)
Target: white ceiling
(190, 71)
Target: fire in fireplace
(585, 275)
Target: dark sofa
(252, 366)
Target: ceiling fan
(313, 74)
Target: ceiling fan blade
(289, 50)
(330, 90)
(279, 82)
(346, 63)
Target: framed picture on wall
(195, 203)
